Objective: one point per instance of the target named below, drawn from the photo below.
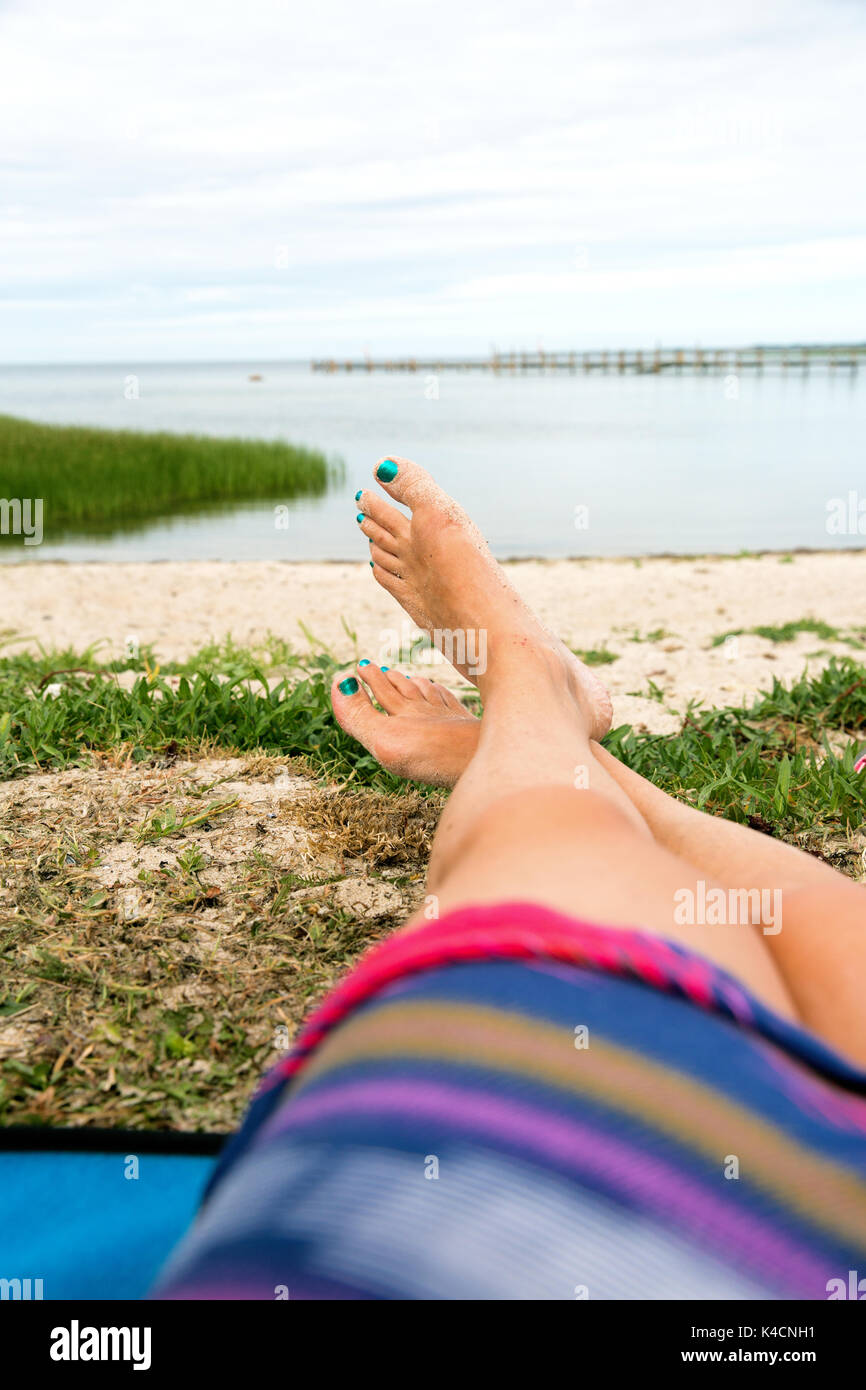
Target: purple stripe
(203, 1291)
(643, 1178)
(811, 1093)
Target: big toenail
(349, 686)
(387, 471)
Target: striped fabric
(509, 1103)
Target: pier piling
(696, 360)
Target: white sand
(178, 607)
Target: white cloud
(223, 181)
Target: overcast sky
(191, 179)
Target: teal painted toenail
(387, 471)
(359, 494)
(359, 518)
(371, 564)
(386, 668)
(365, 662)
(349, 686)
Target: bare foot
(425, 733)
(439, 568)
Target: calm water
(653, 463)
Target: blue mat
(75, 1221)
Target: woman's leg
(811, 918)
(517, 827)
(535, 815)
(818, 937)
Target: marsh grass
(96, 480)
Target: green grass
(769, 764)
(100, 480)
(786, 632)
(657, 635)
(222, 700)
(770, 760)
(595, 656)
(163, 1017)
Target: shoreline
(661, 619)
(675, 556)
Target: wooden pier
(640, 361)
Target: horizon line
(402, 354)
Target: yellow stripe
(823, 1192)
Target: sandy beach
(658, 616)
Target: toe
(385, 691)
(395, 586)
(377, 535)
(374, 506)
(354, 710)
(429, 691)
(451, 700)
(405, 685)
(385, 560)
(409, 483)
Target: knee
(544, 809)
(548, 815)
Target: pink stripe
(634, 1173)
(517, 931)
